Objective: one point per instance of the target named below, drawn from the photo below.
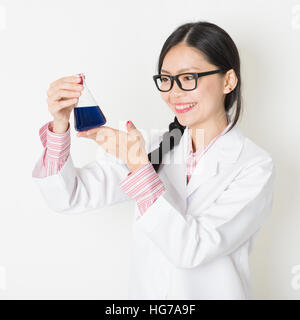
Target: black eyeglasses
(186, 81)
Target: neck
(202, 134)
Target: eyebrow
(181, 70)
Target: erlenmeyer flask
(87, 114)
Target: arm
(238, 213)
(75, 190)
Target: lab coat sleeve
(219, 229)
(78, 190)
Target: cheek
(208, 92)
(213, 87)
(165, 97)
(206, 87)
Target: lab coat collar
(225, 150)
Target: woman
(195, 220)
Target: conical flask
(87, 114)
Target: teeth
(185, 106)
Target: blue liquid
(86, 118)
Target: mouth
(182, 108)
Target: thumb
(130, 126)
(134, 132)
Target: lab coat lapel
(225, 151)
(205, 169)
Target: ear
(230, 81)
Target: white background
(117, 43)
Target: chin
(184, 121)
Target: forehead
(184, 58)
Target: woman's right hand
(63, 95)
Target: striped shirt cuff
(143, 185)
(57, 148)
(58, 144)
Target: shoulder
(253, 155)
(252, 149)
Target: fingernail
(80, 76)
(128, 123)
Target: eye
(189, 77)
(164, 79)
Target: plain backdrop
(46, 255)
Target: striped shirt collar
(196, 154)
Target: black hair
(220, 50)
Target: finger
(65, 103)
(71, 79)
(95, 130)
(88, 132)
(108, 131)
(133, 132)
(64, 86)
(62, 94)
(91, 133)
(100, 130)
(82, 134)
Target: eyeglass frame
(195, 74)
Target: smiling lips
(184, 107)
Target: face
(209, 95)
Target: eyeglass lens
(188, 82)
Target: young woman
(195, 220)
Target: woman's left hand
(127, 146)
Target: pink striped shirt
(143, 185)
(194, 157)
(57, 148)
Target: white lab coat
(194, 240)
